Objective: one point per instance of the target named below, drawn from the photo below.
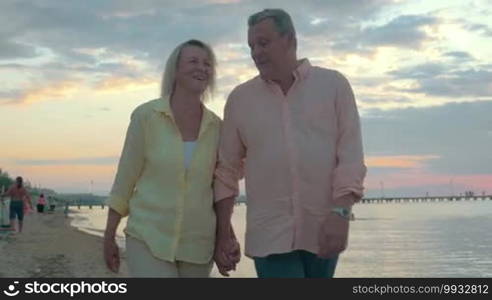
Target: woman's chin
(199, 89)
(195, 88)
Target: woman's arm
(130, 165)
(111, 250)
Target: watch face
(344, 212)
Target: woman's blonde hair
(169, 76)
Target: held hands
(227, 253)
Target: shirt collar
(163, 105)
(301, 71)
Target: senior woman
(165, 174)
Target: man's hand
(333, 236)
(111, 254)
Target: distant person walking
(18, 198)
(41, 203)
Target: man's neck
(285, 82)
(286, 78)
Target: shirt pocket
(319, 117)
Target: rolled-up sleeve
(130, 165)
(230, 157)
(350, 170)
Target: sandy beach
(50, 247)
(378, 247)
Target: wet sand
(50, 247)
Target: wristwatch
(342, 212)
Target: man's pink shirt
(300, 152)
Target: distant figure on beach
(52, 203)
(165, 174)
(296, 127)
(41, 203)
(19, 198)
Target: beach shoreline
(395, 240)
(50, 247)
(55, 245)
(93, 221)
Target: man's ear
(292, 41)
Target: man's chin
(265, 75)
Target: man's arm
(8, 192)
(27, 198)
(348, 175)
(350, 170)
(226, 188)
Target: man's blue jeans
(295, 264)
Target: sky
(71, 72)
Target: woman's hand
(111, 254)
(111, 251)
(226, 255)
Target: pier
(382, 200)
(426, 199)
(79, 203)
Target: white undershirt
(189, 148)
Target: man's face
(269, 49)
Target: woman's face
(194, 70)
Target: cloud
(459, 55)
(448, 80)
(125, 84)
(480, 28)
(458, 133)
(54, 91)
(146, 30)
(9, 50)
(403, 31)
(422, 71)
(417, 183)
(406, 31)
(109, 160)
(382, 99)
(398, 161)
(53, 50)
(98, 40)
(150, 28)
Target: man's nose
(255, 52)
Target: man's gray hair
(281, 19)
(169, 76)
